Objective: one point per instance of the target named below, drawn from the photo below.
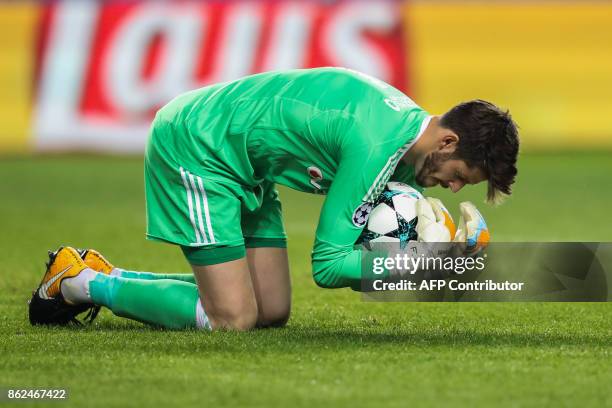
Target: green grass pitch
(336, 350)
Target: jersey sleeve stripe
(372, 190)
(387, 171)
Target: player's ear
(448, 141)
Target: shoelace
(92, 313)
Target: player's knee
(246, 320)
(277, 316)
(240, 317)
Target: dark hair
(488, 139)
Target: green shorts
(213, 219)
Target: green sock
(185, 277)
(163, 302)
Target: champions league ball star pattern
(391, 218)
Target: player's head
(475, 141)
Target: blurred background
(79, 84)
(89, 75)
(81, 81)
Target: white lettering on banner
(108, 106)
(343, 36)
(289, 39)
(181, 27)
(62, 77)
(58, 123)
(240, 39)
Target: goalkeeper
(212, 162)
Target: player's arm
(363, 138)
(335, 262)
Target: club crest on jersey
(315, 175)
(361, 214)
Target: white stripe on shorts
(198, 207)
(211, 235)
(190, 205)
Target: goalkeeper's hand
(472, 233)
(436, 225)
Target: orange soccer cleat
(94, 260)
(47, 305)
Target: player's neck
(426, 143)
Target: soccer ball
(392, 218)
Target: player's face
(441, 169)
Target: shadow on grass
(302, 338)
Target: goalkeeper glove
(435, 223)
(472, 234)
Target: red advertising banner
(104, 68)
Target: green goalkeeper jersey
(328, 131)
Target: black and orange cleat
(94, 260)
(47, 305)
